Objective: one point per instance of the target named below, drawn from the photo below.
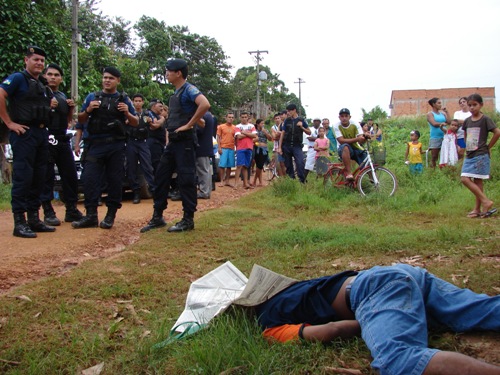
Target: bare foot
(488, 206)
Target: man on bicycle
(349, 136)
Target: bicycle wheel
(271, 171)
(386, 186)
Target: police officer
(107, 112)
(60, 152)
(157, 138)
(186, 107)
(27, 118)
(138, 151)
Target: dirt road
(24, 260)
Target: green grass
(84, 317)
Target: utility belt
(110, 139)
(187, 135)
(32, 124)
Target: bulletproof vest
(31, 108)
(107, 119)
(177, 117)
(59, 116)
(141, 131)
(293, 134)
(160, 133)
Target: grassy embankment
(115, 310)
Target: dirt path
(24, 260)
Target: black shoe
(182, 226)
(88, 221)
(21, 228)
(72, 214)
(202, 196)
(156, 221)
(137, 197)
(109, 219)
(49, 215)
(38, 225)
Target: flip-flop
(488, 213)
(473, 214)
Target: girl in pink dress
(321, 144)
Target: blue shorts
(244, 157)
(477, 167)
(396, 295)
(416, 168)
(356, 154)
(227, 158)
(461, 142)
(435, 143)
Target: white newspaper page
(212, 294)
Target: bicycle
(271, 169)
(368, 178)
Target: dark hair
(416, 132)
(277, 115)
(475, 97)
(463, 97)
(54, 66)
(433, 101)
(138, 96)
(259, 120)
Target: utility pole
(75, 39)
(300, 82)
(258, 58)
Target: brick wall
(414, 102)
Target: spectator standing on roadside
(311, 152)
(204, 151)
(476, 166)
(245, 135)
(413, 155)
(261, 156)
(276, 134)
(449, 154)
(108, 113)
(461, 116)
(226, 142)
(60, 152)
(435, 118)
(186, 107)
(137, 151)
(27, 117)
(291, 142)
(329, 133)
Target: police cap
(32, 50)
(113, 71)
(291, 107)
(176, 64)
(56, 67)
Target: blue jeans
(294, 152)
(394, 304)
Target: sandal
(488, 213)
(473, 214)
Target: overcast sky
(349, 53)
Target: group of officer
(37, 115)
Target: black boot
(49, 215)
(109, 219)
(21, 227)
(38, 225)
(187, 223)
(88, 221)
(72, 213)
(156, 221)
(137, 197)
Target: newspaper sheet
(262, 285)
(212, 294)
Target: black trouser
(179, 156)
(29, 168)
(138, 151)
(62, 156)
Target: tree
(376, 114)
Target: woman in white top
(460, 116)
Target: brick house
(414, 102)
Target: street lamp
(261, 76)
